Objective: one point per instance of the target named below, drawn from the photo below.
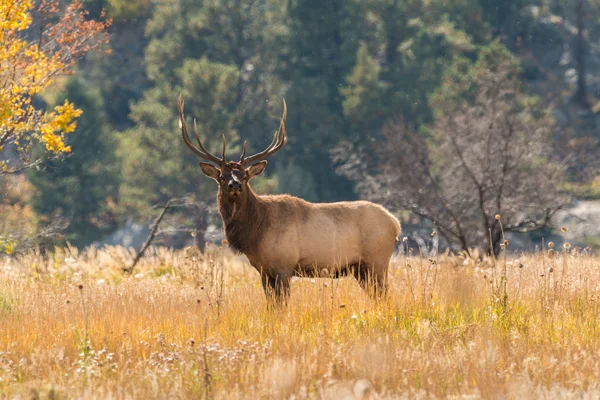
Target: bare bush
(487, 153)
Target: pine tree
(323, 39)
(219, 55)
(83, 185)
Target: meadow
(192, 325)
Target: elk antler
(200, 152)
(279, 140)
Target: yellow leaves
(5, 110)
(29, 64)
(7, 245)
(17, 116)
(56, 125)
(15, 15)
(33, 68)
(49, 128)
(12, 48)
(66, 113)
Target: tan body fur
(325, 236)
(298, 238)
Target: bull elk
(284, 236)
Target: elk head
(232, 176)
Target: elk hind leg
(380, 276)
(372, 277)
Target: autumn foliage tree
(37, 44)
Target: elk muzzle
(234, 186)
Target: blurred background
(448, 112)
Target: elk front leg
(361, 274)
(277, 288)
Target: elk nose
(235, 185)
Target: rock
(362, 389)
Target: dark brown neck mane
(244, 219)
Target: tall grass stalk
(157, 334)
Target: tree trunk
(496, 242)
(464, 245)
(580, 94)
(495, 236)
(149, 239)
(200, 225)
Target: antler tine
(200, 152)
(207, 154)
(243, 153)
(279, 140)
(224, 147)
(198, 136)
(244, 160)
(184, 132)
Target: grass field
(187, 325)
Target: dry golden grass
(187, 325)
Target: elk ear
(210, 170)
(256, 169)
